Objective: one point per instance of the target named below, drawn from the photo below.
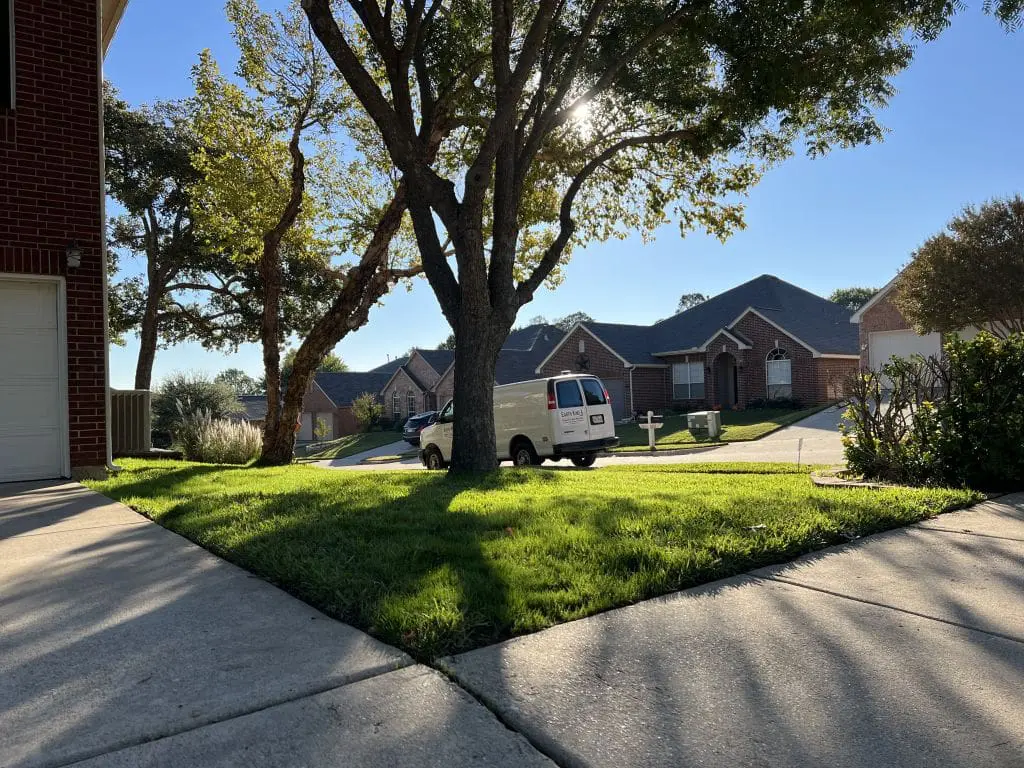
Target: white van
(567, 416)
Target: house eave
(882, 293)
(111, 12)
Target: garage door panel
(617, 391)
(32, 432)
(30, 456)
(888, 344)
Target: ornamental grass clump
(217, 441)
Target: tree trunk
(271, 274)
(279, 440)
(478, 342)
(148, 336)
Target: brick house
(762, 340)
(423, 381)
(53, 410)
(885, 333)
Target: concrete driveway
(814, 440)
(123, 644)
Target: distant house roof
(823, 325)
(533, 337)
(390, 366)
(255, 407)
(346, 386)
(438, 359)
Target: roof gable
(345, 386)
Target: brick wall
(444, 390)
(652, 389)
(402, 384)
(882, 316)
(50, 191)
(600, 361)
(422, 370)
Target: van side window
(568, 394)
(448, 412)
(593, 391)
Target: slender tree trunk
(148, 337)
(271, 275)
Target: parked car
(416, 424)
(567, 416)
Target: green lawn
(352, 444)
(437, 564)
(737, 426)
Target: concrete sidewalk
(904, 649)
(123, 642)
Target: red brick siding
(444, 390)
(601, 362)
(403, 385)
(652, 389)
(50, 191)
(882, 316)
(345, 422)
(423, 371)
(754, 377)
(831, 377)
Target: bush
(790, 403)
(956, 421)
(217, 441)
(367, 410)
(183, 394)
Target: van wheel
(523, 454)
(433, 459)
(585, 460)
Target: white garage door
(886, 344)
(32, 443)
(617, 392)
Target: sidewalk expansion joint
(865, 601)
(200, 723)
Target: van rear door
(570, 413)
(600, 418)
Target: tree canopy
(570, 320)
(852, 298)
(690, 300)
(970, 275)
(240, 382)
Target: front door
(725, 380)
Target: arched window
(396, 405)
(779, 372)
(410, 401)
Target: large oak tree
(542, 107)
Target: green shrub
(954, 421)
(367, 410)
(217, 441)
(185, 393)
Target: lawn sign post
(650, 426)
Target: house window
(410, 401)
(779, 372)
(396, 405)
(6, 54)
(688, 381)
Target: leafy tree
(330, 363)
(367, 410)
(239, 381)
(448, 343)
(538, 320)
(852, 298)
(689, 301)
(522, 130)
(567, 322)
(275, 186)
(969, 275)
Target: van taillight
(607, 397)
(551, 401)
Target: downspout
(111, 467)
(632, 408)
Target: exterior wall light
(74, 254)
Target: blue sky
(851, 218)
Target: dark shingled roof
(346, 386)
(391, 366)
(255, 407)
(438, 359)
(533, 337)
(823, 325)
(521, 364)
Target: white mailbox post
(650, 426)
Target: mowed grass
(437, 564)
(352, 444)
(737, 426)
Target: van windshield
(593, 391)
(568, 394)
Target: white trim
(827, 356)
(405, 373)
(739, 343)
(802, 343)
(107, 406)
(570, 332)
(64, 421)
(690, 351)
(13, 83)
(648, 365)
(859, 314)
